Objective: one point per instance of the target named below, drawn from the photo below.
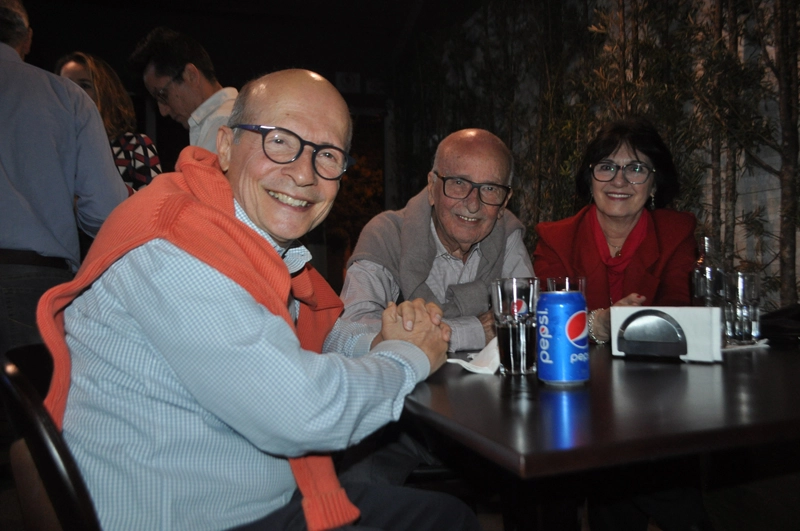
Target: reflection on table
(629, 411)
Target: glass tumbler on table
(567, 284)
(743, 301)
(710, 289)
(514, 307)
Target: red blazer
(660, 270)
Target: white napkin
(763, 343)
(487, 361)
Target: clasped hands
(419, 323)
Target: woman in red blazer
(631, 250)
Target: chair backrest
(54, 472)
(35, 363)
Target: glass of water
(744, 326)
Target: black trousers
(679, 509)
(383, 507)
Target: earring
(652, 201)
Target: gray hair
(13, 22)
(239, 113)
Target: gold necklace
(617, 249)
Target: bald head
(287, 198)
(463, 188)
(287, 91)
(474, 143)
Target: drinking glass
(710, 288)
(514, 307)
(567, 284)
(744, 297)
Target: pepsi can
(562, 342)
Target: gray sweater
(402, 242)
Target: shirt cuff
(466, 334)
(363, 345)
(407, 352)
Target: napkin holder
(687, 333)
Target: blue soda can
(562, 342)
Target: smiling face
(81, 76)
(285, 200)
(480, 157)
(179, 98)
(617, 198)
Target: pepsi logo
(519, 307)
(577, 329)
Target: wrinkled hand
(602, 317)
(418, 323)
(487, 321)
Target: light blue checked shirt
(187, 395)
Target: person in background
(187, 373)
(448, 243)
(631, 249)
(56, 175)
(179, 74)
(134, 153)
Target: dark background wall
(356, 44)
(345, 41)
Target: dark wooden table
(630, 411)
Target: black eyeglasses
(282, 146)
(633, 173)
(459, 188)
(161, 94)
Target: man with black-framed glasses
(178, 73)
(190, 346)
(448, 243)
(446, 246)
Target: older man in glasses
(196, 399)
(448, 243)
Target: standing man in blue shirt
(56, 174)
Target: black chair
(35, 363)
(50, 487)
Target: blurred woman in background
(135, 154)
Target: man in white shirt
(179, 74)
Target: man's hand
(487, 321)
(420, 324)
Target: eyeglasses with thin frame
(491, 194)
(283, 146)
(161, 94)
(633, 172)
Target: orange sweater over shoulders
(194, 210)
